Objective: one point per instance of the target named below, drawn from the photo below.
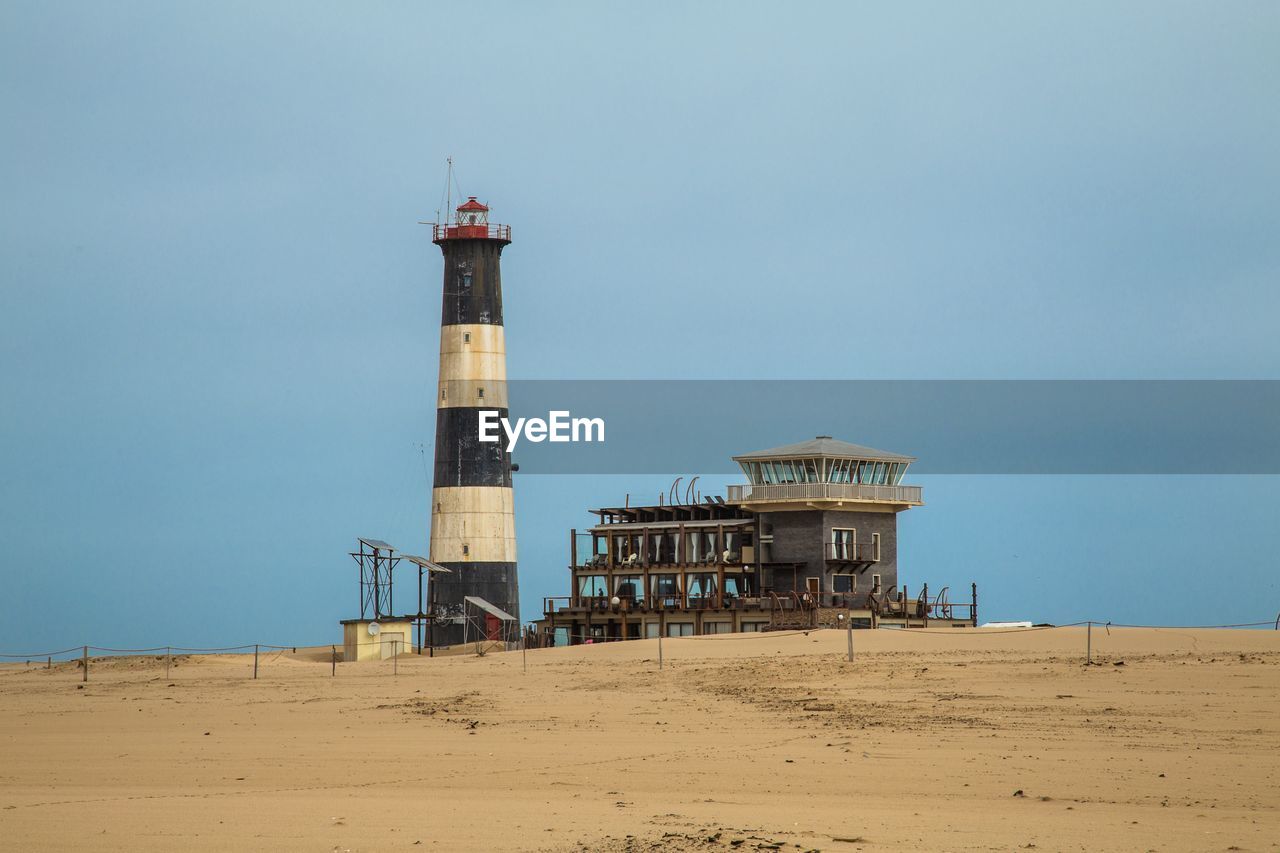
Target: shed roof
(825, 445)
(489, 608)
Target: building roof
(472, 204)
(825, 445)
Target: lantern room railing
(470, 232)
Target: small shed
(375, 639)
(486, 621)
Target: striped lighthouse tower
(473, 531)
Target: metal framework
(478, 613)
(376, 560)
(425, 618)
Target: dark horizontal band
(472, 282)
(496, 583)
(462, 459)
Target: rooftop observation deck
(838, 492)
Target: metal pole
(524, 653)
(49, 663)
(395, 658)
(168, 657)
(849, 619)
(255, 660)
(84, 676)
(1088, 643)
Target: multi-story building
(813, 534)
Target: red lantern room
(471, 221)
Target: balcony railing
(853, 552)
(755, 493)
(451, 231)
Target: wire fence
(391, 650)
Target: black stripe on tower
(496, 583)
(472, 282)
(462, 459)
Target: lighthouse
(473, 532)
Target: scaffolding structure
(377, 560)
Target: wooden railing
(552, 603)
(755, 492)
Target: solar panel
(423, 562)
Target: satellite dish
(374, 628)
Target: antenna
(448, 188)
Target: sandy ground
(950, 740)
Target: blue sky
(218, 316)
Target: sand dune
(947, 740)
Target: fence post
(334, 651)
(49, 663)
(395, 658)
(659, 650)
(84, 676)
(849, 619)
(1088, 643)
(255, 660)
(168, 657)
(524, 653)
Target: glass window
(665, 585)
(733, 546)
(592, 585)
(630, 588)
(709, 551)
(843, 541)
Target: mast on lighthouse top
(471, 222)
